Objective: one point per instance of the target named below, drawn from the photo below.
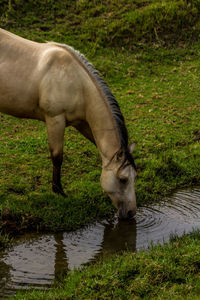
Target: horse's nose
(125, 216)
(130, 214)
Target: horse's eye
(120, 155)
(123, 180)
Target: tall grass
(107, 23)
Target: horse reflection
(41, 258)
(61, 264)
(5, 276)
(119, 237)
(98, 241)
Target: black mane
(113, 104)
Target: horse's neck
(101, 121)
(97, 113)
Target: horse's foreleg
(55, 131)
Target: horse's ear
(131, 147)
(119, 155)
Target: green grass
(5, 241)
(25, 167)
(158, 92)
(156, 87)
(148, 52)
(97, 24)
(164, 272)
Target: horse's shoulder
(53, 56)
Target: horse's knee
(57, 157)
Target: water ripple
(37, 259)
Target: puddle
(37, 259)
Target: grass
(97, 24)
(156, 87)
(164, 272)
(158, 93)
(148, 52)
(26, 198)
(5, 241)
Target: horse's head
(117, 179)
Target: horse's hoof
(61, 193)
(58, 190)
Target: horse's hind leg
(55, 130)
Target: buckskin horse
(56, 84)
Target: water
(37, 259)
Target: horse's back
(24, 67)
(18, 80)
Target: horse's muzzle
(122, 215)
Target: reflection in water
(30, 264)
(119, 236)
(61, 264)
(83, 245)
(173, 216)
(4, 276)
(37, 259)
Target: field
(148, 53)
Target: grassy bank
(148, 52)
(158, 93)
(168, 272)
(104, 23)
(5, 241)
(156, 87)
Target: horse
(56, 84)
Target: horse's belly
(19, 99)
(20, 108)
(29, 114)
